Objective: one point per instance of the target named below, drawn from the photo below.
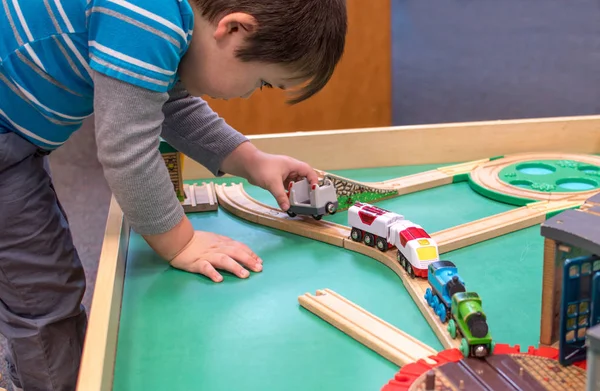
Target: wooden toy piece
(200, 198)
(174, 162)
(380, 336)
(350, 191)
(499, 178)
(500, 224)
(568, 235)
(234, 199)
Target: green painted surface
(460, 177)
(179, 331)
(165, 147)
(558, 176)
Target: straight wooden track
(380, 336)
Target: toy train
(312, 200)
(449, 299)
(384, 229)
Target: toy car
(312, 200)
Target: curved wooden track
(234, 199)
(484, 173)
(487, 176)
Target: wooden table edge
(430, 144)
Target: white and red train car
(380, 228)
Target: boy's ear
(237, 22)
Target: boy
(133, 64)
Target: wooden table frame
(362, 148)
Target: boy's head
(241, 45)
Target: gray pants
(42, 281)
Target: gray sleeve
(128, 122)
(194, 129)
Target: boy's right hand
(207, 251)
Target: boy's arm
(128, 122)
(194, 129)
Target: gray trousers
(42, 281)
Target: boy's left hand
(271, 172)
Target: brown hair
(308, 36)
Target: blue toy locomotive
(445, 281)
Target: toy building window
(571, 324)
(583, 321)
(574, 271)
(564, 249)
(596, 265)
(572, 310)
(586, 268)
(584, 307)
(570, 337)
(581, 333)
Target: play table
(153, 327)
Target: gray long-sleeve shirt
(129, 121)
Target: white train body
(384, 229)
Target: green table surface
(180, 331)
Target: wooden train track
(234, 199)
(416, 182)
(380, 336)
(497, 225)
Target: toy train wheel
(291, 214)
(441, 311)
(356, 234)
(428, 295)
(381, 243)
(452, 328)
(464, 348)
(330, 208)
(317, 217)
(369, 240)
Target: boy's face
(211, 68)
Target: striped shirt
(48, 49)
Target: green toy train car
(469, 320)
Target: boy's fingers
(225, 262)
(245, 258)
(280, 196)
(246, 249)
(312, 176)
(205, 268)
(304, 170)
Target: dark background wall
(464, 60)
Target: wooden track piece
(235, 200)
(497, 225)
(200, 198)
(380, 336)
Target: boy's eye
(265, 84)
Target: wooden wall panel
(359, 94)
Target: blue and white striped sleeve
(140, 41)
